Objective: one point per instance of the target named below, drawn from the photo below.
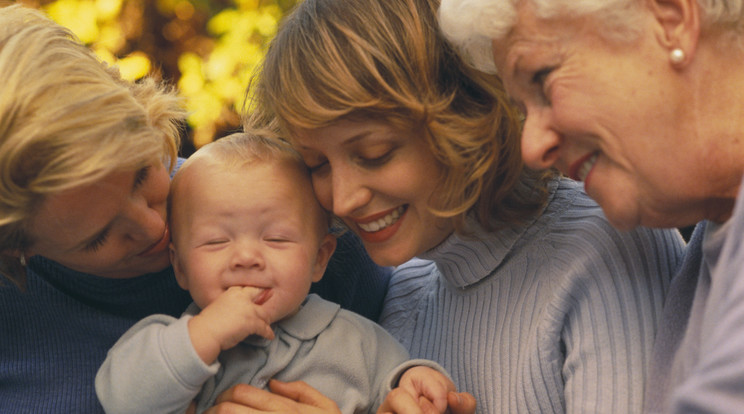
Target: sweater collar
(466, 259)
(135, 297)
(313, 318)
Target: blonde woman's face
(113, 228)
(379, 181)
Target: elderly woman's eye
(539, 77)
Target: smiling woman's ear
(678, 25)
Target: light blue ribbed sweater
(557, 316)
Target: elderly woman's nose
(540, 143)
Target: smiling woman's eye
(377, 161)
(376, 156)
(317, 167)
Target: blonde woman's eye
(141, 176)
(97, 243)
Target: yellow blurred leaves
(214, 63)
(79, 16)
(218, 81)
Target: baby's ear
(326, 249)
(180, 277)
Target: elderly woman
(642, 101)
(84, 162)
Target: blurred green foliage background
(208, 48)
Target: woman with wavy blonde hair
(501, 273)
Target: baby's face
(250, 226)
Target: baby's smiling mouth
(263, 297)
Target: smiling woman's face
(380, 182)
(113, 228)
(612, 115)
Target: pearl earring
(22, 259)
(677, 56)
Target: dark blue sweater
(54, 336)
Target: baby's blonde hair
(245, 149)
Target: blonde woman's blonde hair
(386, 60)
(67, 120)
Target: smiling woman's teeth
(383, 222)
(586, 167)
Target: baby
(249, 238)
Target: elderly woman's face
(602, 113)
(113, 228)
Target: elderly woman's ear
(678, 25)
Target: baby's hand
(427, 383)
(232, 317)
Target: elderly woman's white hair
(471, 25)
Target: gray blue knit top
(555, 316)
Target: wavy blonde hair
(67, 120)
(386, 60)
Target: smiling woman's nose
(348, 194)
